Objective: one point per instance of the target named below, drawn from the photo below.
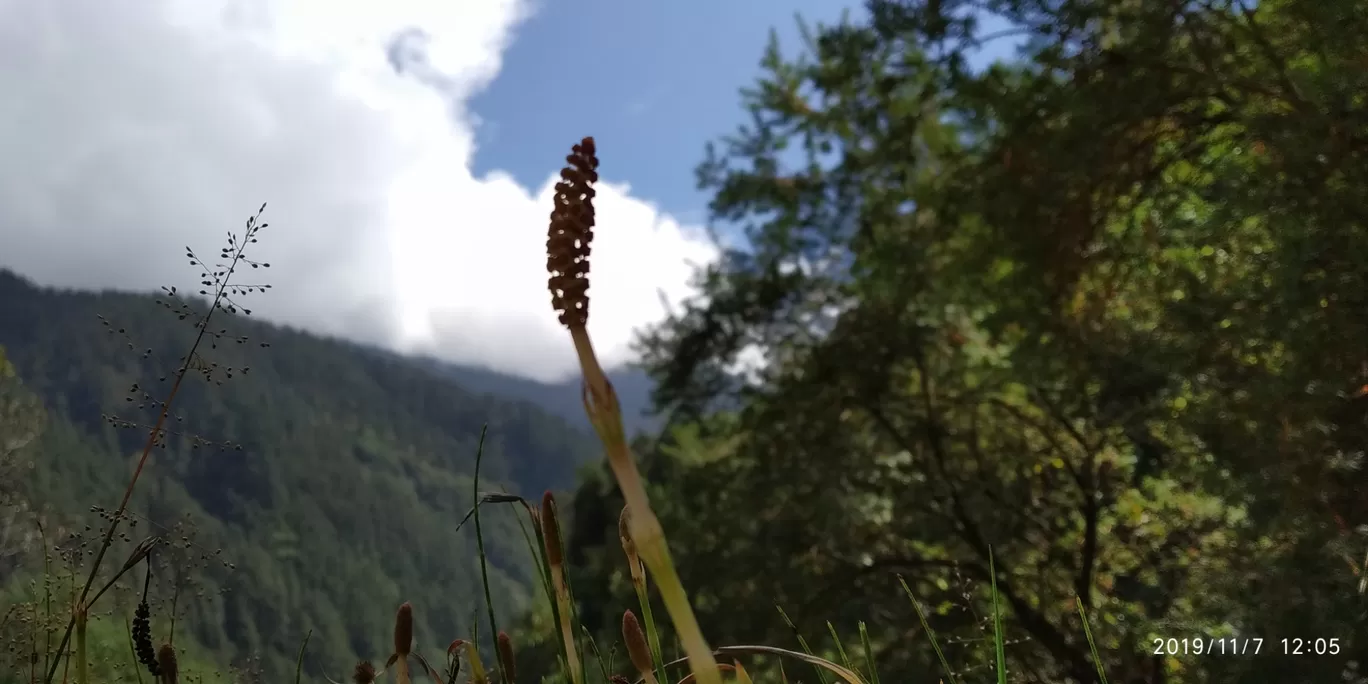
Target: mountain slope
(562, 399)
(338, 498)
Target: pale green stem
(567, 630)
(82, 665)
(600, 402)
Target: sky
(407, 150)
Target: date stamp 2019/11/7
(1242, 646)
(1207, 646)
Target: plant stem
(82, 666)
(479, 542)
(147, 448)
(601, 403)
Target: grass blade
(869, 653)
(1092, 644)
(299, 662)
(479, 543)
(998, 646)
(840, 649)
(930, 633)
(802, 643)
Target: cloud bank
(131, 130)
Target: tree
(21, 421)
(1098, 313)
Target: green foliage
(1099, 310)
(345, 474)
(21, 422)
(1067, 349)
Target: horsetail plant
(637, 649)
(567, 263)
(403, 641)
(166, 662)
(507, 664)
(555, 559)
(638, 577)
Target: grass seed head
(364, 673)
(506, 662)
(571, 231)
(142, 639)
(635, 640)
(551, 530)
(403, 629)
(166, 662)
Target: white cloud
(128, 130)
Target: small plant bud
(551, 530)
(635, 640)
(166, 662)
(506, 661)
(403, 629)
(364, 673)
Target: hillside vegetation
(1065, 382)
(337, 497)
(1096, 316)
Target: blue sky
(651, 81)
(407, 205)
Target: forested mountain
(561, 398)
(336, 498)
(1070, 347)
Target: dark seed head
(571, 231)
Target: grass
(645, 550)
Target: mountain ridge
(339, 498)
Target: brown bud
(364, 673)
(166, 664)
(635, 640)
(569, 235)
(403, 629)
(506, 662)
(551, 530)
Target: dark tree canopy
(1100, 310)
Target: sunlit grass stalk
(568, 238)
(742, 677)
(82, 664)
(477, 669)
(555, 559)
(637, 573)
